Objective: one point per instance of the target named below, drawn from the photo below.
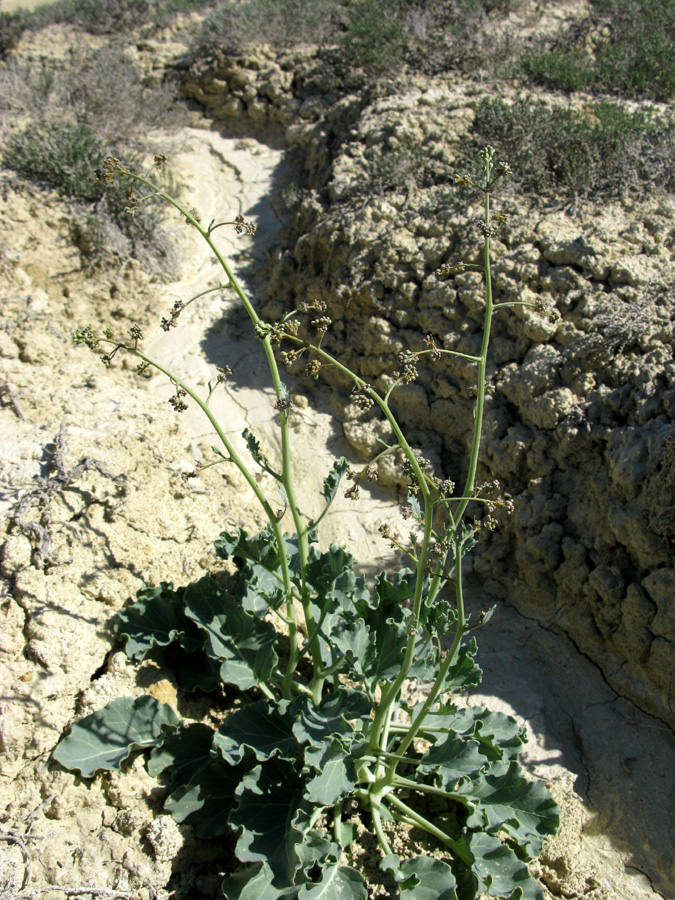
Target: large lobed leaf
(242, 643)
(104, 740)
(270, 797)
(504, 800)
(260, 727)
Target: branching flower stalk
(313, 741)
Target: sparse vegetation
(598, 150)
(75, 120)
(626, 47)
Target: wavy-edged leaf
(332, 576)
(316, 848)
(244, 644)
(337, 883)
(499, 736)
(156, 619)
(259, 589)
(184, 751)
(426, 878)
(265, 730)
(270, 797)
(334, 716)
(207, 799)
(500, 872)
(452, 758)
(464, 671)
(192, 671)
(337, 774)
(104, 740)
(252, 883)
(504, 800)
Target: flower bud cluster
(283, 404)
(313, 306)
(241, 226)
(360, 397)
(176, 400)
(223, 372)
(171, 322)
(389, 535)
(431, 345)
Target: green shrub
(12, 27)
(376, 36)
(234, 25)
(633, 54)
(600, 150)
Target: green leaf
(337, 883)
(259, 589)
(244, 644)
(207, 799)
(332, 576)
(464, 671)
(192, 671)
(426, 878)
(260, 727)
(333, 717)
(336, 778)
(270, 797)
(251, 883)
(184, 751)
(331, 483)
(104, 739)
(253, 445)
(506, 801)
(452, 758)
(157, 618)
(499, 870)
(315, 847)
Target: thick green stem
(457, 847)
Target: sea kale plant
(348, 690)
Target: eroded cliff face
(580, 423)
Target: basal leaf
(104, 739)
(259, 589)
(316, 848)
(500, 736)
(500, 872)
(251, 883)
(506, 801)
(244, 644)
(156, 618)
(336, 778)
(337, 711)
(332, 576)
(452, 758)
(337, 883)
(242, 548)
(192, 671)
(465, 671)
(264, 729)
(426, 878)
(184, 751)
(269, 799)
(207, 799)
